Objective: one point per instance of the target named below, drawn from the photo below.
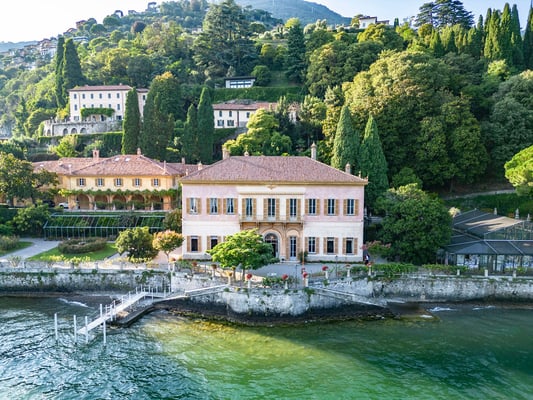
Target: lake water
(469, 352)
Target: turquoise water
(468, 353)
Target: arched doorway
(274, 241)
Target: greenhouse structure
(107, 225)
(484, 240)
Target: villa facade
(118, 182)
(298, 204)
(236, 113)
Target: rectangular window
(350, 207)
(137, 182)
(193, 206)
(109, 95)
(231, 114)
(231, 122)
(331, 206)
(83, 95)
(194, 244)
(118, 181)
(118, 95)
(293, 208)
(311, 205)
(248, 115)
(118, 107)
(349, 246)
(220, 113)
(81, 181)
(99, 181)
(75, 96)
(213, 242)
(75, 107)
(311, 245)
(330, 245)
(230, 206)
(249, 207)
(271, 208)
(220, 122)
(213, 206)
(155, 182)
(92, 95)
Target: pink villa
(297, 204)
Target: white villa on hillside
(236, 113)
(298, 204)
(109, 99)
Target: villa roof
(88, 88)
(238, 105)
(272, 169)
(121, 165)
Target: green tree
(225, 41)
(167, 241)
(137, 242)
(19, 180)
(442, 13)
(206, 127)
(416, 224)
(245, 249)
(72, 74)
(132, 123)
(383, 34)
(157, 129)
(528, 41)
(373, 163)
(346, 143)
(67, 146)
(189, 139)
(295, 64)
(517, 50)
(59, 61)
(30, 220)
(519, 171)
(510, 127)
(262, 75)
(172, 220)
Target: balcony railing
(296, 219)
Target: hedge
(80, 246)
(270, 94)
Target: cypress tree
(72, 75)
(206, 127)
(157, 129)
(60, 53)
(504, 35)
(346, 143)
(436, 45)
(373, 163)
(189, 140)
(492, 50)
(517, 55)
(132, 123)
(528, 41)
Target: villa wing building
(119, 182)
(297, 204)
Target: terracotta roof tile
(267, 169)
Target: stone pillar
(486, 273)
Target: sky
(25, 20)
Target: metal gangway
(114, 309)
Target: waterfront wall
(80, 280)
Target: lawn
(54, 253)
(19, 246)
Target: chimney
(96, 154)
(139, 151)
(348, 168)
(225, 153)
(200, 166)
(165, 166)
(313, 151)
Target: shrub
(8, 242)
(80, 246)
(6, 230)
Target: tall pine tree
(373, 163)
(517, 52)
(157, 129)
(206, 127)
(346, 143)
(295, 63)
(492, 50)
(132, 123)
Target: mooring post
(55, 327)
(75, 330)
(86, 330)
(105, 337)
